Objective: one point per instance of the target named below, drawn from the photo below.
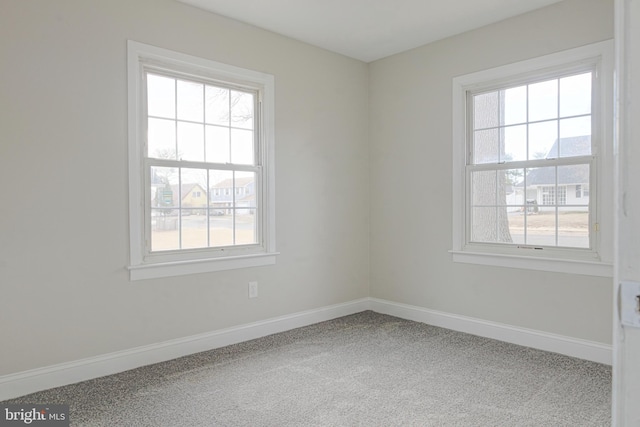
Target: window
(196, 126)
(523, 133)
(549, 198)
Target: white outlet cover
(629, 293)
(253, 289)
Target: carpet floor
(366, 369)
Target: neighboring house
(572, 181)
(224, 193)
(193, 196)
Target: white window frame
(143, 264)
(598, 261)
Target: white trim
(145, 267)
(587, 268)
(21, 383)
(601, 51)
(179, 268)
(557, 59)
(574, 347)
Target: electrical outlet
(253, 289)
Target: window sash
(256, 168)
(502, 165)
(590, 161)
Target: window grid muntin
(471, 94)
(213, 83)
(150, 162)
(557, 161)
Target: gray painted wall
(65, 293)
(363, 181)
(411, 170)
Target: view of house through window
(530, 163)
(201, 159)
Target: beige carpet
(366, 369)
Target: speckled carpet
(367, 369)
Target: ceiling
(369, 29)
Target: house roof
(185, 189)
(240, 182)
(570, 147)
(573, 174)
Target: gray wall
(65, 293)
(363, 181)
(411, 170)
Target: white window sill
(180, 268)
(587, 268)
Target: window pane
(194, 228)
(217, 106)
(573, 228)
(194, 187)
(221, 208)
(165, 208)
(541, 185)
(561, 195)
(486, 146)
(242, 109)
(575, 95)
(245, 203)
(511, 194)
(245, 226)
(490, 225)
(515, 143)
(574, 178)
(217, 144)
(485, 110)
(190, 141)
(541, 228)
(161, 139)
(543, 100)
(543, 140)
(190, 101)
(245, 188)
(193, 202)
(511, 181)
(164, 230)
(483, 188)
(515, 105)
(575, 137)
(516, 218)
(162, 180)
(161, 96)
(242, 147)
(483, 224)
(221, 230)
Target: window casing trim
(143, 58)
(598, 55)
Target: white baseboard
(574, 347)
(22, 383)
